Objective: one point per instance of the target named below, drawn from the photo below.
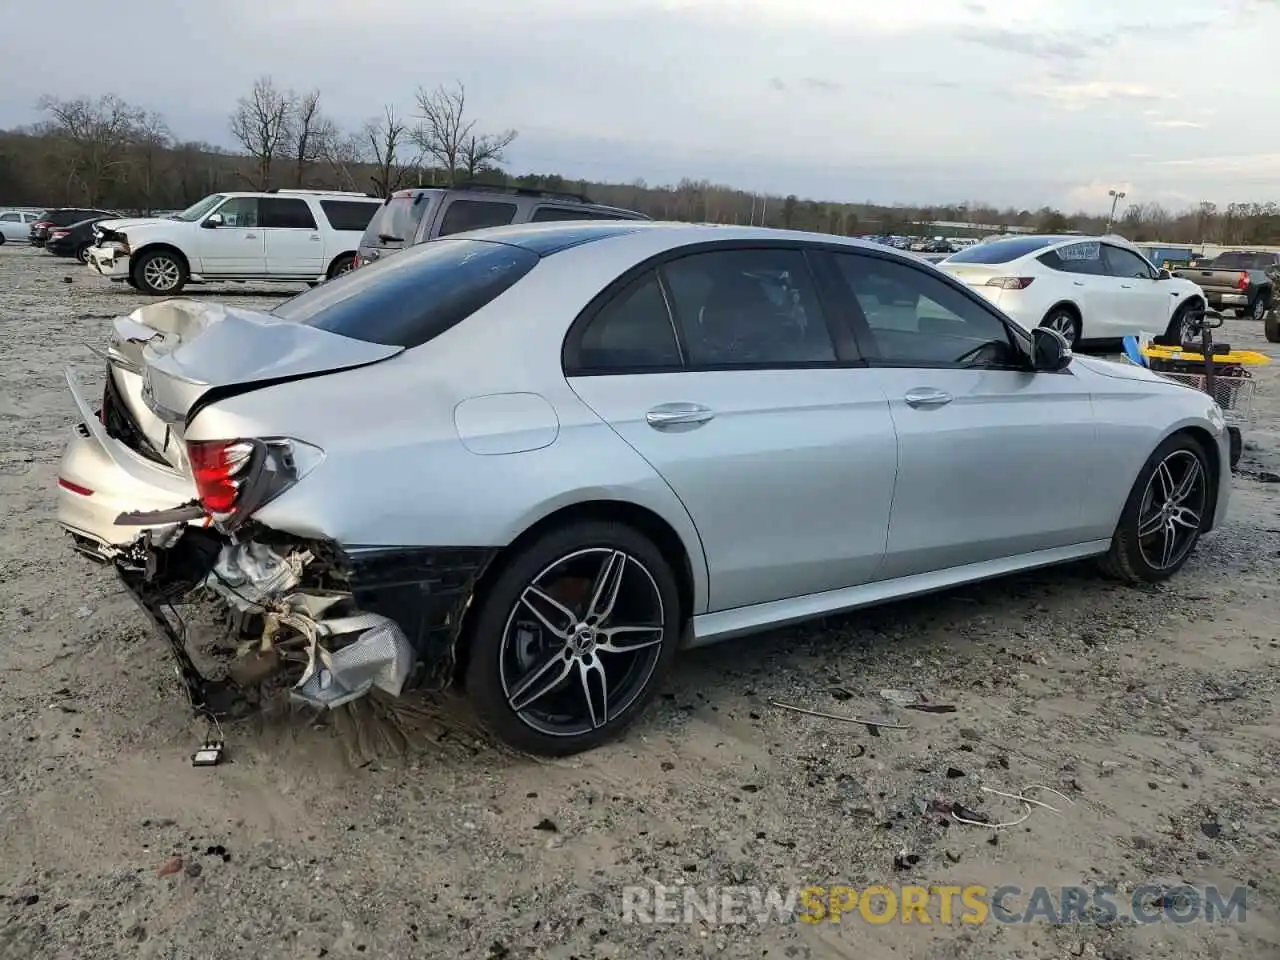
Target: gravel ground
(1154, 710)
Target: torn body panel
(330, 622)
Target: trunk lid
(180, 350)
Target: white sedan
(1086, 288)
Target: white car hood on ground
(183, 348)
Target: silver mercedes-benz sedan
(537, 460)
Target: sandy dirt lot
(1155, 711)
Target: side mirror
(213, 222)
(1164, 275)
(1050, 351)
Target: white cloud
(1177, 124)
(1082, 96)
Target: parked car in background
(1091, 290)
(15, 225)
(61, 217)
(1239, 280)
(410, 217)
(286, 236)
(538, 459)
(74, 240)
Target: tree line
(106, 152)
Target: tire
(342, 265)
(131, 282)
(1271, 327)
(1237, 446)
(82, 252)
(3, 239)
(1132, 552)
(156, 266)
(1261, 304)
(1065, 322)
(1178, 322)
(511, 644)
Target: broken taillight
(235, 478)
(1242, 281)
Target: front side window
(632, 333)
(748, 308)
(476, 215)
(200, 209)
(1125, 263)
(285, 213)
(9, 217)
(239, 212)
(917, 319)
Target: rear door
(294, 244)
(1091, 289)
(721, 369)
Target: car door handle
(927, 397)
(315, 236)
(251, 236)
(1126, 286)
(678, 414)
(1077, 283)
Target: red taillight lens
(60, 233)
(1242, 282)
(1010, 283)
(220, 469)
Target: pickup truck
(1238, 280)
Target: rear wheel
(160, 273)
(1064, 322)
(1261, 303)
(1271, 327)
(1164, 514)
(343, 264)
(82, 252)
(1237, 445)
(573, 638)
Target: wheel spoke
(533, 593)
(604, 593)
(1151, 525)
(1186, 517)
(1165, 477)
(628, 639)
(1187, 485)
(1168, 544)
(540, 681)
(595, 691)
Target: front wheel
(1271, 327)
(573, 638)
(344, 264)
(1164, 514)
(159, 273)
(1187, 322)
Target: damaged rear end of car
(247, 609)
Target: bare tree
(261, 124)
(151, 153)
(385, 139)
(345, 154)
(446, 135)
(485, 150)
(95, 137)
(309, 132)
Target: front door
(993, 458)
(230, 243)
(736, 396)
(1142, 303)
(294, 245)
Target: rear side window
(476, 215)
(557, 214)
(1002, 251)
(408, 299)
(1244, 261)
(633, 333)
(1083, 257)
(289, 214)
(396, 222)
(348, 214)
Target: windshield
(410, 298)
(1243, 261)
(197, 211)
(1001, 251)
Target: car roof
(547, 238)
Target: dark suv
(410, 217)
(61, 217)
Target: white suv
(279, 235)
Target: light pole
(1116, 196)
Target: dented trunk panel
(185, 350)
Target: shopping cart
(1210, 368)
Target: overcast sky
(1025, 102)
